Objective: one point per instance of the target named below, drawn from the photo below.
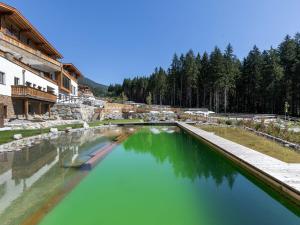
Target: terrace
(21, 91)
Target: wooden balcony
(20, 91)
(29, 49)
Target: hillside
(99, 90)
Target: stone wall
(27, 125)
(7, 101)
(72, 111)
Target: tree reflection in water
(189, 157)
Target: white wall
(74, 84)
(12, 70)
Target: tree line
(263, 82)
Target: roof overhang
(72, 69)
(27, 27)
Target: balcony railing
(20, 91)
(22, 46)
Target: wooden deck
(21, 91)
(284, 177)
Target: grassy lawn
(99, 123)
(7, 136)
(255, 142)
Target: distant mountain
(99, 90)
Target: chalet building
(68, 82)
(32, 78)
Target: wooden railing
(17, 43)
(29, 92)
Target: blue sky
(109, 40)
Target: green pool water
(163, 176)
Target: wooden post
(26, 106)
(49, 110)
(1, 115)
(40, 108)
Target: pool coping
(281, 176)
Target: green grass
(274, 130)
(251, 140)
(7, 136)
(74, 126)
(99, 123)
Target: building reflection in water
(40, 168)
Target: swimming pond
(165, 176)
(158, 175)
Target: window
(73, 90)
(17, 81)
(2, 78)
(66, 82)
(52, 76)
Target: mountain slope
(99, 90)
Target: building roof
(27, 27)
(72, 69)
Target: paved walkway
(286, 176)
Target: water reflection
(32, 177)
(188, 157)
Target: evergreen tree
(231, 72)
(261, 83)
(204, 74)
(191, 73)
(216, 73)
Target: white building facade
(32, 78)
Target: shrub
(259, 126)
(219, 121)
(228, 122)
(240, 123)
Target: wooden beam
(40, 44)
(8, 13)
(26, 107)
(49, 110)
(40, 108)
(25, 30)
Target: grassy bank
(7, 136)
(255, 142)
(279, 129)
(123, 121)
(275, 130)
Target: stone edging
(18, 145)
(278, 140)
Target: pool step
(99, 155)
(89, 161)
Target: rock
(295, 129)
(18, 136)
(54, 130)
(68, 129)
(85, 125)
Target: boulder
(85, 125)
(18, 136)
(68, 129)
(54, 130)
